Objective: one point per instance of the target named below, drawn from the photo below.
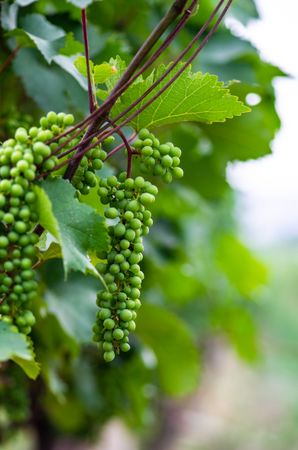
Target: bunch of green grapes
(127, 203)
(20, 159)
(158, 159)
(85, 176)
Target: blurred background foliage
(202, 283)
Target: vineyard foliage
(200, 281)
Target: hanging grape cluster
(85, 176)
(20, 159)
(127, 201)
(158, 159)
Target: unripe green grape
(176, 161)
(114, 269)
(3, 242)
(97, 164)
(144, 133)
(5, 185)
(166, 161)
(167, 177)
(133, 206)
(104, 314)
(147, 199)
(130, 234)
(138, 143)
(147, 151)
(124, 266)
(111, 213)
(125, 347)
(109, 324)
(109, 140)
(128, 215)
(107, 346)
(124, 244)
(131, 325)
(125, 315)
(20, 227)
(178, 172)
(109, 356)
(119, 230)
(8, 218)
(68, 120)
(118, 334)
(21, 135)
(4, 171)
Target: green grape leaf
(66, 63)
(73, 302)
(80, 65)
(102, 72)
(238, 324)
(16, 347)
(171, 341)
(193, 97)
(63, 93)
(243, 138)
(102, 94)
(71, 46)
(52, 252)
(233, 257)
(77, 227)
(119, 67)
(38, 31)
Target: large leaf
(71, 46)
(243, 138)
(193, 97)
(16, 347)
(72, 302)
(66, 63)
(77, 227)
(240, 266)
(48, 38)
(173, 345)
(51, 89)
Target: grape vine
(77, 153)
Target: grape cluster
(85, 177)
(127, 201)
(158, 159)
(19, 159)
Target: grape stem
(144, 50)
(158, 81)
(126, 144)
(112, 98)
(91, 96)
(9, 59)
(105, 134)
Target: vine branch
(9, 59)
(92, 100)
(149, 43)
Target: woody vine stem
(97, 124)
